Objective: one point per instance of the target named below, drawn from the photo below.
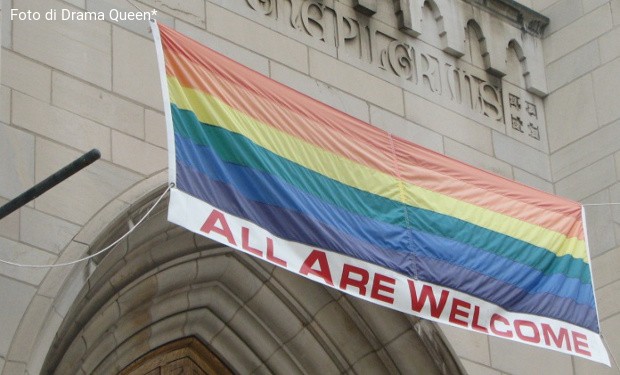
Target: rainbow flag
(271, 172)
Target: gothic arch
(184, 356)
(163, 284)
(445, 13)
(455, 18)
(450, 28)
(528, 51)
(432, 23)
(477, 47)
(516, 70)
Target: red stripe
(270, 102)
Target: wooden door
(187, 356)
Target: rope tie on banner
(110, 246)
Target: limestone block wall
(455, 76)
(582, 58)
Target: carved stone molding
(521, 16)
(183, 356)
(166, 301)
(459, 54)
(409, 13)
(518, 26)
(368, 7)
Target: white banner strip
(383, 286)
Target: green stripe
(254, 156)
(373, 206)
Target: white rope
(601, 204)
(98, 252)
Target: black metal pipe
(53, 180)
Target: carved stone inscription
(406, 61)
(440, 77)
(525, 117)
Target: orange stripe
(286, 109)
(339, 136)
(485, 189)
(277, 103)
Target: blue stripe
(287, 224)
(265, 188)
(296, 227)
(236, 149)
(348, 244)
(505, 295)
(262, 187)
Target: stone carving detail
(534, 131)
(524, 114)
(400, 58)
(515, 102)
(368, 7)
(313, 19)
(519, 15)
(517, 124)
(429, 71)
(266, 7)
(421, 69)
(533, 123)
(531, 109)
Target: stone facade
(523, 89)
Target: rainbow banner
(273, 173)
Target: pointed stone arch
(516, 67)
(445, 14)
(477, 44)
(164, 284)
(530, 64)
(184, 356)
(493, 59)
(450, 27)
(530, 50)
(432, 23)
(409, 17)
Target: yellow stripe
(536, 235)
(212, 111)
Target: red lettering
(223, 229)
(581, 343)
(245, 242)
(271, 256)
(475, 324)
(323, 271)
(519, 324)
(494, 319)
(378, 286)
(360, 283)
(427, 294)
(549, 335)
(456, 312)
